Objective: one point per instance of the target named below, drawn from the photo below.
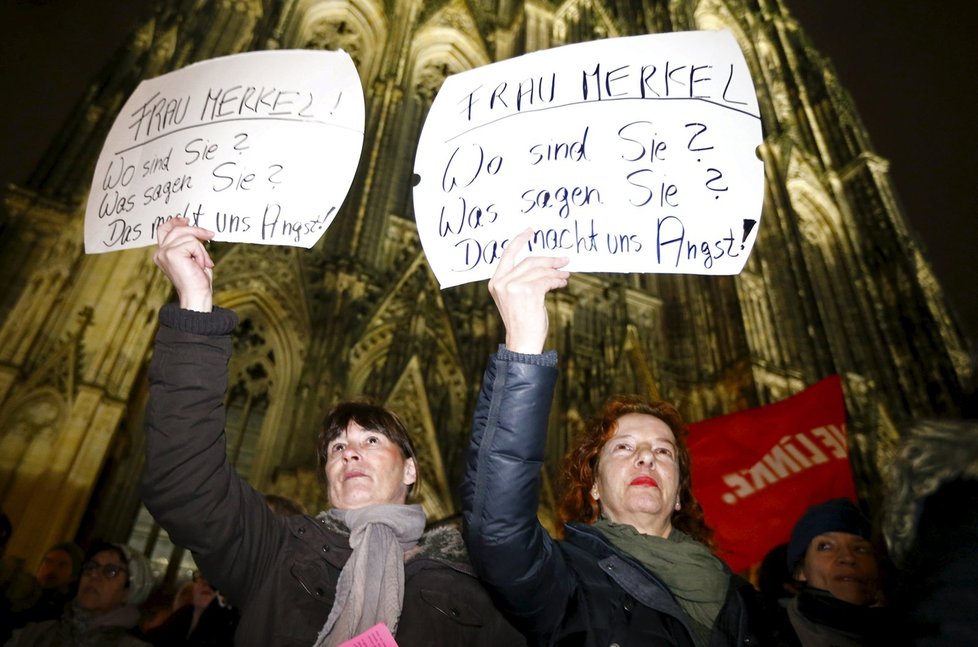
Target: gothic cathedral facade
(836, 283)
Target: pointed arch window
(247, 405)
(250, 379)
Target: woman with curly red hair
(577, 502)
(634, 567)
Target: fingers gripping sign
(182, 257)
(519, 289)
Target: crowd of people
(101, 597)
(635, 563)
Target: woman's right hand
(182, 257)
(520, 289)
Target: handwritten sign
(258, 147)
(627, 155)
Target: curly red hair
(581, 463)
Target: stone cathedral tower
(836, 282)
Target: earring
(677, 505)
(594, 491)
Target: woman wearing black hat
(836, 566)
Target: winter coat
(22, 600)
(815, 618)
(931, 525)
(280, 571)
(77, 628)
(579, 591)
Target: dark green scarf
(695, 577)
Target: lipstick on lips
(644, 481)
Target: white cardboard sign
(259, 147)
(629, 154)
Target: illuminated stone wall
(836, 283)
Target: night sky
(908, 65)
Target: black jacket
(814, 618)
(938, 596)
(580, 591)
(281, 572)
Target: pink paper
(377, 636)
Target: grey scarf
(371, 585)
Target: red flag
(755, 472)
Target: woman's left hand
(520, 290)
(184, 259)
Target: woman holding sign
(366, 564)
(634, 568)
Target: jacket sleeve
(188, 484)
(512, 553)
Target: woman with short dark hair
(298, 579)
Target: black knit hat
(837, 515)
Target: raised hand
(520, 289)
(182, 257)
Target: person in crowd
(298, 580)
(57, 578)
(930, 523)
(115, 580)
(634, 567)
(60, 567)
(208, 621)
(837, 571)
(45, 595)
(776, 586)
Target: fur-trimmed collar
(442, 542)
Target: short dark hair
(368, 415)
(102, 546)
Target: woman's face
(365, 467)
(638, 475)
(844, 565)
(103, 583)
